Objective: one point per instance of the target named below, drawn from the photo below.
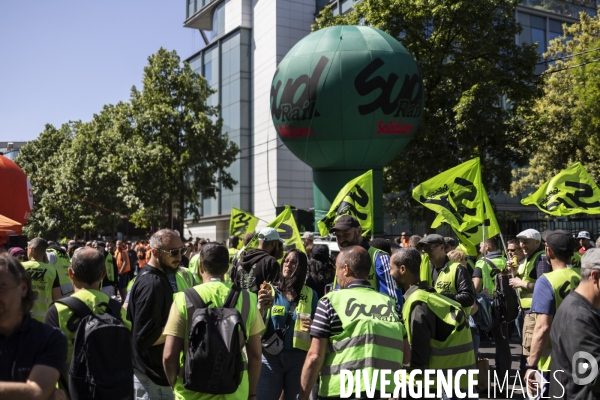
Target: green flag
(572, 191)
(241, 222)
(474, 236)
(356, 199)
(456, 195)
(286, 226)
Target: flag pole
(506, 253)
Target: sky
(63, 60)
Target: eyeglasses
(429, 249)
(512, 250)
(174, 252)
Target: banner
(241, 222)
(572, 191)
(286, 226)
(474, 236)
(356, 199)
(456, 195)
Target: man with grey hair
(150, 301)
(575, 337)
(344, 320)
(86, 272)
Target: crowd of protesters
(297, 324)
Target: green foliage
(137, 159)
(564, 124)
(471, 69)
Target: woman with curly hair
(287, 338)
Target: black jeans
(503, 356)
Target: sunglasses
(429, 249)
(174, 252)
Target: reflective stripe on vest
(301, 339)
(184, 279)
(371, 337)
(110, 268)
(563, 281)
(524, 272)
(62, 269)
(216, 292)
(446, 281)
(456, 352)
(42, 279)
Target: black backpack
(101, 366)
(213, 361)
(506, 302)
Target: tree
(41, 159)
(563, 125)
(476, 80)
(183, 152)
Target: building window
(218, 26)
(191, 7)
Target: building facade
(244, 42)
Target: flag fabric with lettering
(572, 191)
(288, 231)
(241, 222)
(356, 199)
(456, 195)
(474, 236)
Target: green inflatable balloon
(347, 97)
(344, 100)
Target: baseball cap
(591, 258)
(584, 235)
(560, 243)
(548, 232)
(308, 235)
(344, 223)
(15, 251)
(269, 234)
(530, 234)
(431, 239)
(320, 252)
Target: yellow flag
(474, 236)
(241, 222)
(287, 229)
(456, 195)
(572, 191)
(356, 199)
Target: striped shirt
(327, 323)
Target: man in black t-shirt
(150, 301)
(33, 355)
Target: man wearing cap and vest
(355, 328)
(550, 290)
(447, 277)
(213, 266)
(86, 272)
(438, 328)
(44, 278)
(483, 275)
(62, 269)
(348, 232)
(534, 266)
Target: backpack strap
(76, 305)
(232, 300)
(494, 270)
(193, 301)
(114, 308)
